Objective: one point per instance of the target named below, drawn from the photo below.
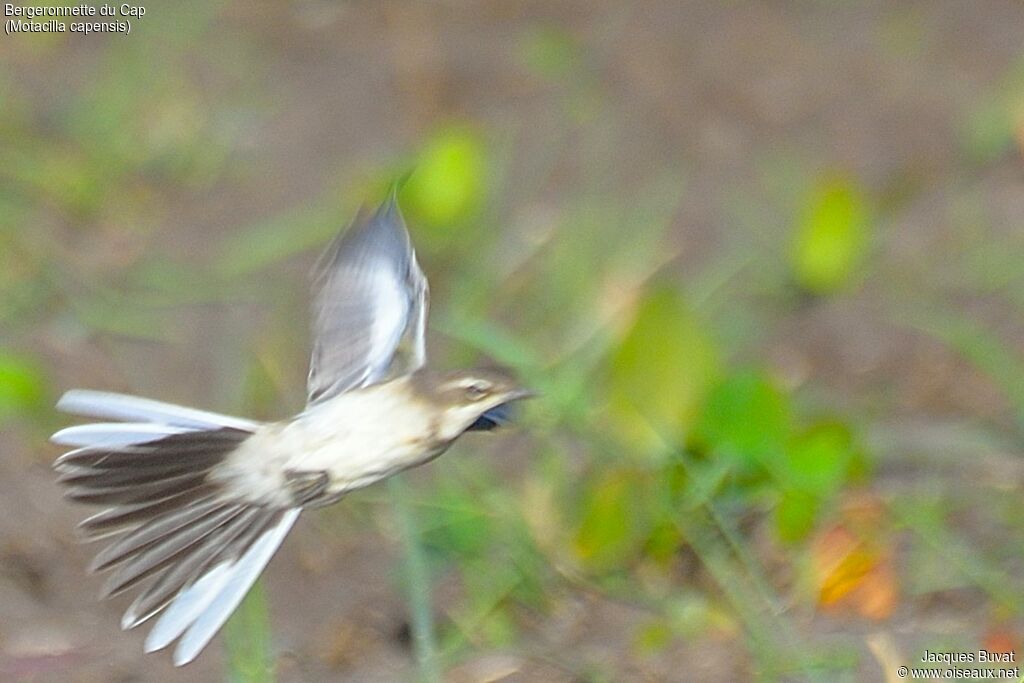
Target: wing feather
(370, 306)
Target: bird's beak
(521, 393)
(501, 413)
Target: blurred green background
(763, 263)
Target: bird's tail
(174, 528)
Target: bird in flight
(196, 503)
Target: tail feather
(188, 606)
(141, 565)
(145, 473)
(196, 447)
(125, 517)
(193, 602)
(183, 573)
(112, 434)
(111, 406)
(137, 493)
(173, 524)
(156, 530)
(243, 574)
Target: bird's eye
(476, 390)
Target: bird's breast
(356, 439)
(360, 438)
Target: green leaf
(819, 462)
(820, 459)
(664, 541)
(22, 385)
(447, 184)
(747, 419)
(660, 373)
(831, 237)
(795, 515)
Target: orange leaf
(852, 573)
(840, 563)
(1001, 638)
(876, 596)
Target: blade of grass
(417, 580)
(247, 640)
(925, 519)
(983, 348)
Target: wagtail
(197, 502)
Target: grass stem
(417, 580)
(247, 640)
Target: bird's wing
(370, 306)
(176, 528)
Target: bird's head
(473, 399)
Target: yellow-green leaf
(652, 637)
(660, 373)
(795, 515)
(447, 183)
(613, 525)
(831, 237)
(22, 385)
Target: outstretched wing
(370, 306)
(194, 547)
